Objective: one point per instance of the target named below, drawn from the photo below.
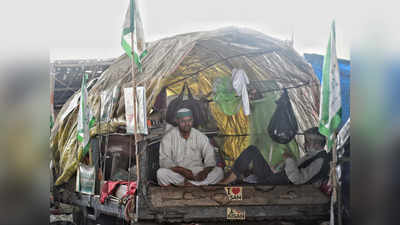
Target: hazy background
(92, 28)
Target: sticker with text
(235, 214)
(234, 193)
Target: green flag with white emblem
(133, 24)
(85, 118)
(330, 102)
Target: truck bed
(252, 195)
(211, 203)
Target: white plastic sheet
(140, 108)
(85, 179)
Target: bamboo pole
(333, 178)
(135, 120)
(333, 167)
(134, 109)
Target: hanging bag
(174, 106)
(200, 115)
(283, 125)
(196, 106)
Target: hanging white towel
(239, 83)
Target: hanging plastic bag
(225, 96)
(85, 179)
(283, 125)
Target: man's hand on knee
(184, 172)
(202, 175)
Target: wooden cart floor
(251, 196)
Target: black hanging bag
(174, 106)
(283, 125)
(196, 106)
(200, 115)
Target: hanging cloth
(239, 83)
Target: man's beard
(185, 129)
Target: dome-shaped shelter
(198, 59)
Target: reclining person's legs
(249, 160)
(167, 177)
(262, 170)
(252, 161)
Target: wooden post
(333, 176)
(135, 119)
(334, 162)
(98, 163)
(134, 109)
(52, 84)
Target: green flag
(85, 118)
(330, 102)
(133, 24)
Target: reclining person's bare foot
(229, 179)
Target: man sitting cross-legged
(186, 155)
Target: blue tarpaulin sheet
(316, 62)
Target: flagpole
(333, 180)
(135, 117)
(134, 106)
(334, 162)
(334, 177)
(52, 84)
(330, 111)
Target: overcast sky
(92, 28)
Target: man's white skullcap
(183, 112)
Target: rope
(221, 60)
(308, 83)
(285, 88)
